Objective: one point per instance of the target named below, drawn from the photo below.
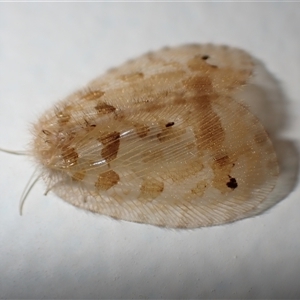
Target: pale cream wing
(203, 162)
(160, 140)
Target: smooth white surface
(47, 50)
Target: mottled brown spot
(109, 137)
(151, 188)
(111, 144)
(221, 170)
(222, 161)
(104, 108)
(70, 156)
(152, 156)
(141, 130)
(107, 180)
(79, 176)
(201, 84)
(93, 95)
(132, 76)
(209, 131)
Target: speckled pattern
(161, 140)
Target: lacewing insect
(160, 140)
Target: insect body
(161, 140)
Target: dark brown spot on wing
(70, 156)
(170, 124)
(109, 137)
(232, 183)
(107, 180)
(111, 144)
(103, 108)
(221, 169)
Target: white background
(47, 50)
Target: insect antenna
(30, 184)
(15, 152)
(31, 181)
